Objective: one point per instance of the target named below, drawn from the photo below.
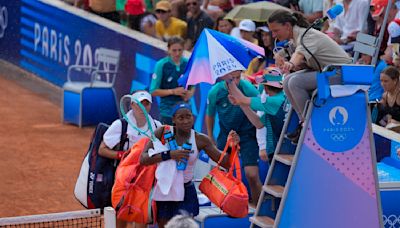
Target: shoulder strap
(124, 136)
(155, 123)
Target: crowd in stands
(261, 86)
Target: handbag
(224, 189)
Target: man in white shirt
(351, 21)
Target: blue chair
(88, 95)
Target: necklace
(391, 98)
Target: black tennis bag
(96, 177)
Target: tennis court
(39, 157)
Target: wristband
(120, 154)
(166, 155)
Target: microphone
(331, 14)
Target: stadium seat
(89, 95)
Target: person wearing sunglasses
(196, 22)
(168, 26)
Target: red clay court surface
(39, 156)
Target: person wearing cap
(165, 79)
(167, 25)
(197, 21)
(247, 29)
(273, 108)
(136, 116)
(231, 117)
(183, 133)
(259, 63)
(378, 8)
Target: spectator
(378, 8)
(259, 63)
(247, 29)
(105, 8)
(84, 4)
(196, 22)
(322, 51)
(389, 108)
(178, 9)
(112, 136)
(135, 10)
(214, 8)
(183, 133)
(165, 80)
(120, 8)
(327, 27)
(375, 91)
(312, 9)
(166, 25)
(350, 22)
(224, 25)
(394, 32)
(273, 109)
(231, 117)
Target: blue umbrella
(216, 54)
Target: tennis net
(85, 218)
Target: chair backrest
(370, 45)
(365, 44)
(107, 65)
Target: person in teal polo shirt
(165, 80)
(231, 117)
(273, 108)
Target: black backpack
(96, 177)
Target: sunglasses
(191, 3)
(161, 11)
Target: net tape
(84, 218)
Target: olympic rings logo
(3, 20)
(338, 137)
(391, 221)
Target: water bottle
(181, 165)
(171, 140)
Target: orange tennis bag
(224, 189)
(131, 193)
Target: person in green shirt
(273, 109)
(165, 80)
(231, 117)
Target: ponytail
(285, 16)
(301, 21)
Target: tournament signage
(47, 38)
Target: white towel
(170, 186)
(346, 90)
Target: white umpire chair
(89, 95)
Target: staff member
(298, 86)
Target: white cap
(140, 96)
(247, 25)
(263, 28)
